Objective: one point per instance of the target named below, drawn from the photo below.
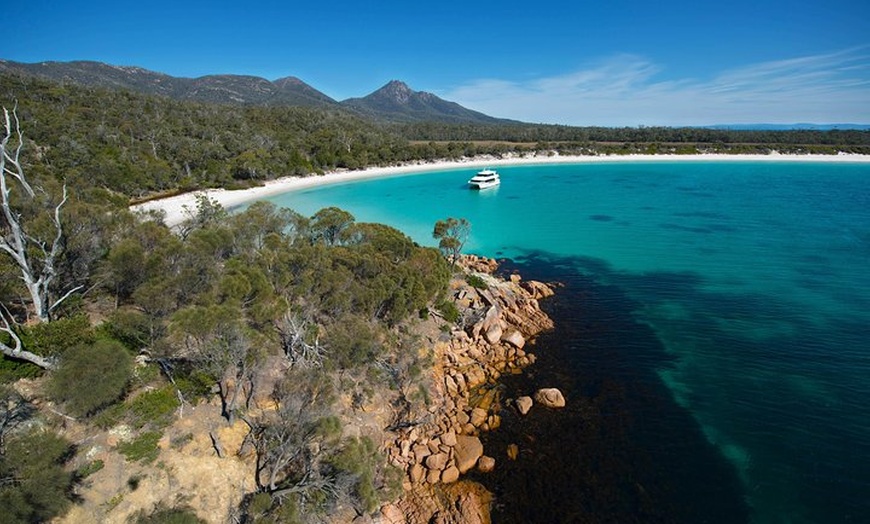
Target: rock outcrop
(498, 326)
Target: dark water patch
(722, 228)
(513, 197)
(622, 450)
(709, 251)
(689, 229)
(858, 302)
(789, 386)
(772, 223)
(812, 284)
(815, 259)
(702, 214)
(819, 270)
(696, 192)
(601, 218)
(625, 183)
(784, 389)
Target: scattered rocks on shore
(485, 464)
(524, 404)
(498, 325)
(550, 397)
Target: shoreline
(176, 206)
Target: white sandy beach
(177, 207)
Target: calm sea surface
(713, 335)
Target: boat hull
(483, 185)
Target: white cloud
(626, 90)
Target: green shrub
(39, 487)
(476, 282)
(373, 480)
(154, 407)
(196, 384)
(145, 375)
(164, 515)
(142, 448)
(12, 370)
(89, 469)
(130, 327)
(259, 504)
(359, 458)
(449, 311)
(91, 377)
(352, 342)
(111, 416)
(58, 336)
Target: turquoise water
(753, 277)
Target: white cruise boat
(484, 179)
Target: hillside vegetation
(289, 320)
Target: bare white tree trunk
(293, 331)
(37, 266)
(15, 349)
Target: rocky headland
(500, 319)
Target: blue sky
(621, 62)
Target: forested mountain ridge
(395, 102)
(231, 89)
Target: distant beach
(176, 206)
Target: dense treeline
(534, 133)
(137, 145)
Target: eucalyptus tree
(452, 234)
(216, 339)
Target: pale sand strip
(175, 207)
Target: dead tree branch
(36, 259)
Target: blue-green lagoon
(713, 334)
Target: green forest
(118, 319)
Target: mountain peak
(397, 102)
(395, 90)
